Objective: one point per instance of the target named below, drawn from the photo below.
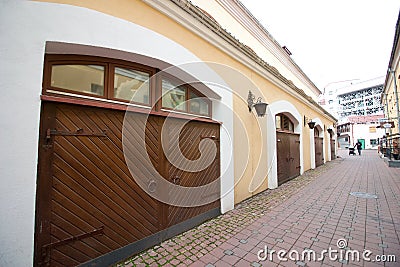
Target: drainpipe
(397, 99)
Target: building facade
(127, 110)
(363, 102)
(365, 129)
(359, 111)
(390, 98)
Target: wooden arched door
(288, 149)
(318, 145)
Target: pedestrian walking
(359, 146)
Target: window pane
(198, 105)
(278, 122)
(173, 97)
(131, 85)
(291, 127)
(81, 78)
(372, 129)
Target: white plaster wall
(275, 108)
(312, 149)
(336, 141)
(361, 131)
(24, 29)
(328, 138)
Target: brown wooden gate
(333, 144)
(88, 204)
(288, 156)
(190, 137)
(333, 155)
(319, 156)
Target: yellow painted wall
(239, 31)
(391, 102)
(244, 150)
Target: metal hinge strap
(45, 251)
(99, 231)
(79, 132)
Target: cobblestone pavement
(313, 212)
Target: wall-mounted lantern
(260, 107)
(310, 123)
(330, 131)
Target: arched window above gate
(283, 123)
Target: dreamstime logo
(343, 254)
(135, 136)
(341, 243)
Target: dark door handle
(176, 180)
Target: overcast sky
(332, 40)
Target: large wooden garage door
(88, 204)
(319, 156)
(288, 154)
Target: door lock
(176, 180)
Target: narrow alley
(346, 212)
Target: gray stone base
(392, 162)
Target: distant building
(356, 99)
(359, 111)
(390, 99)
(362, 102)
(365, 129)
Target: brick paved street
(311, 212)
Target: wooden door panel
(294, 162)
(288, 156)
(86, 191)
(99, 172)
(283, 154)
(91, 187)
(333, 144)
(319, 156)
(190, 137)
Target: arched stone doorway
(287, 148)
(319, 136)
(318, 146)
(290, 111)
